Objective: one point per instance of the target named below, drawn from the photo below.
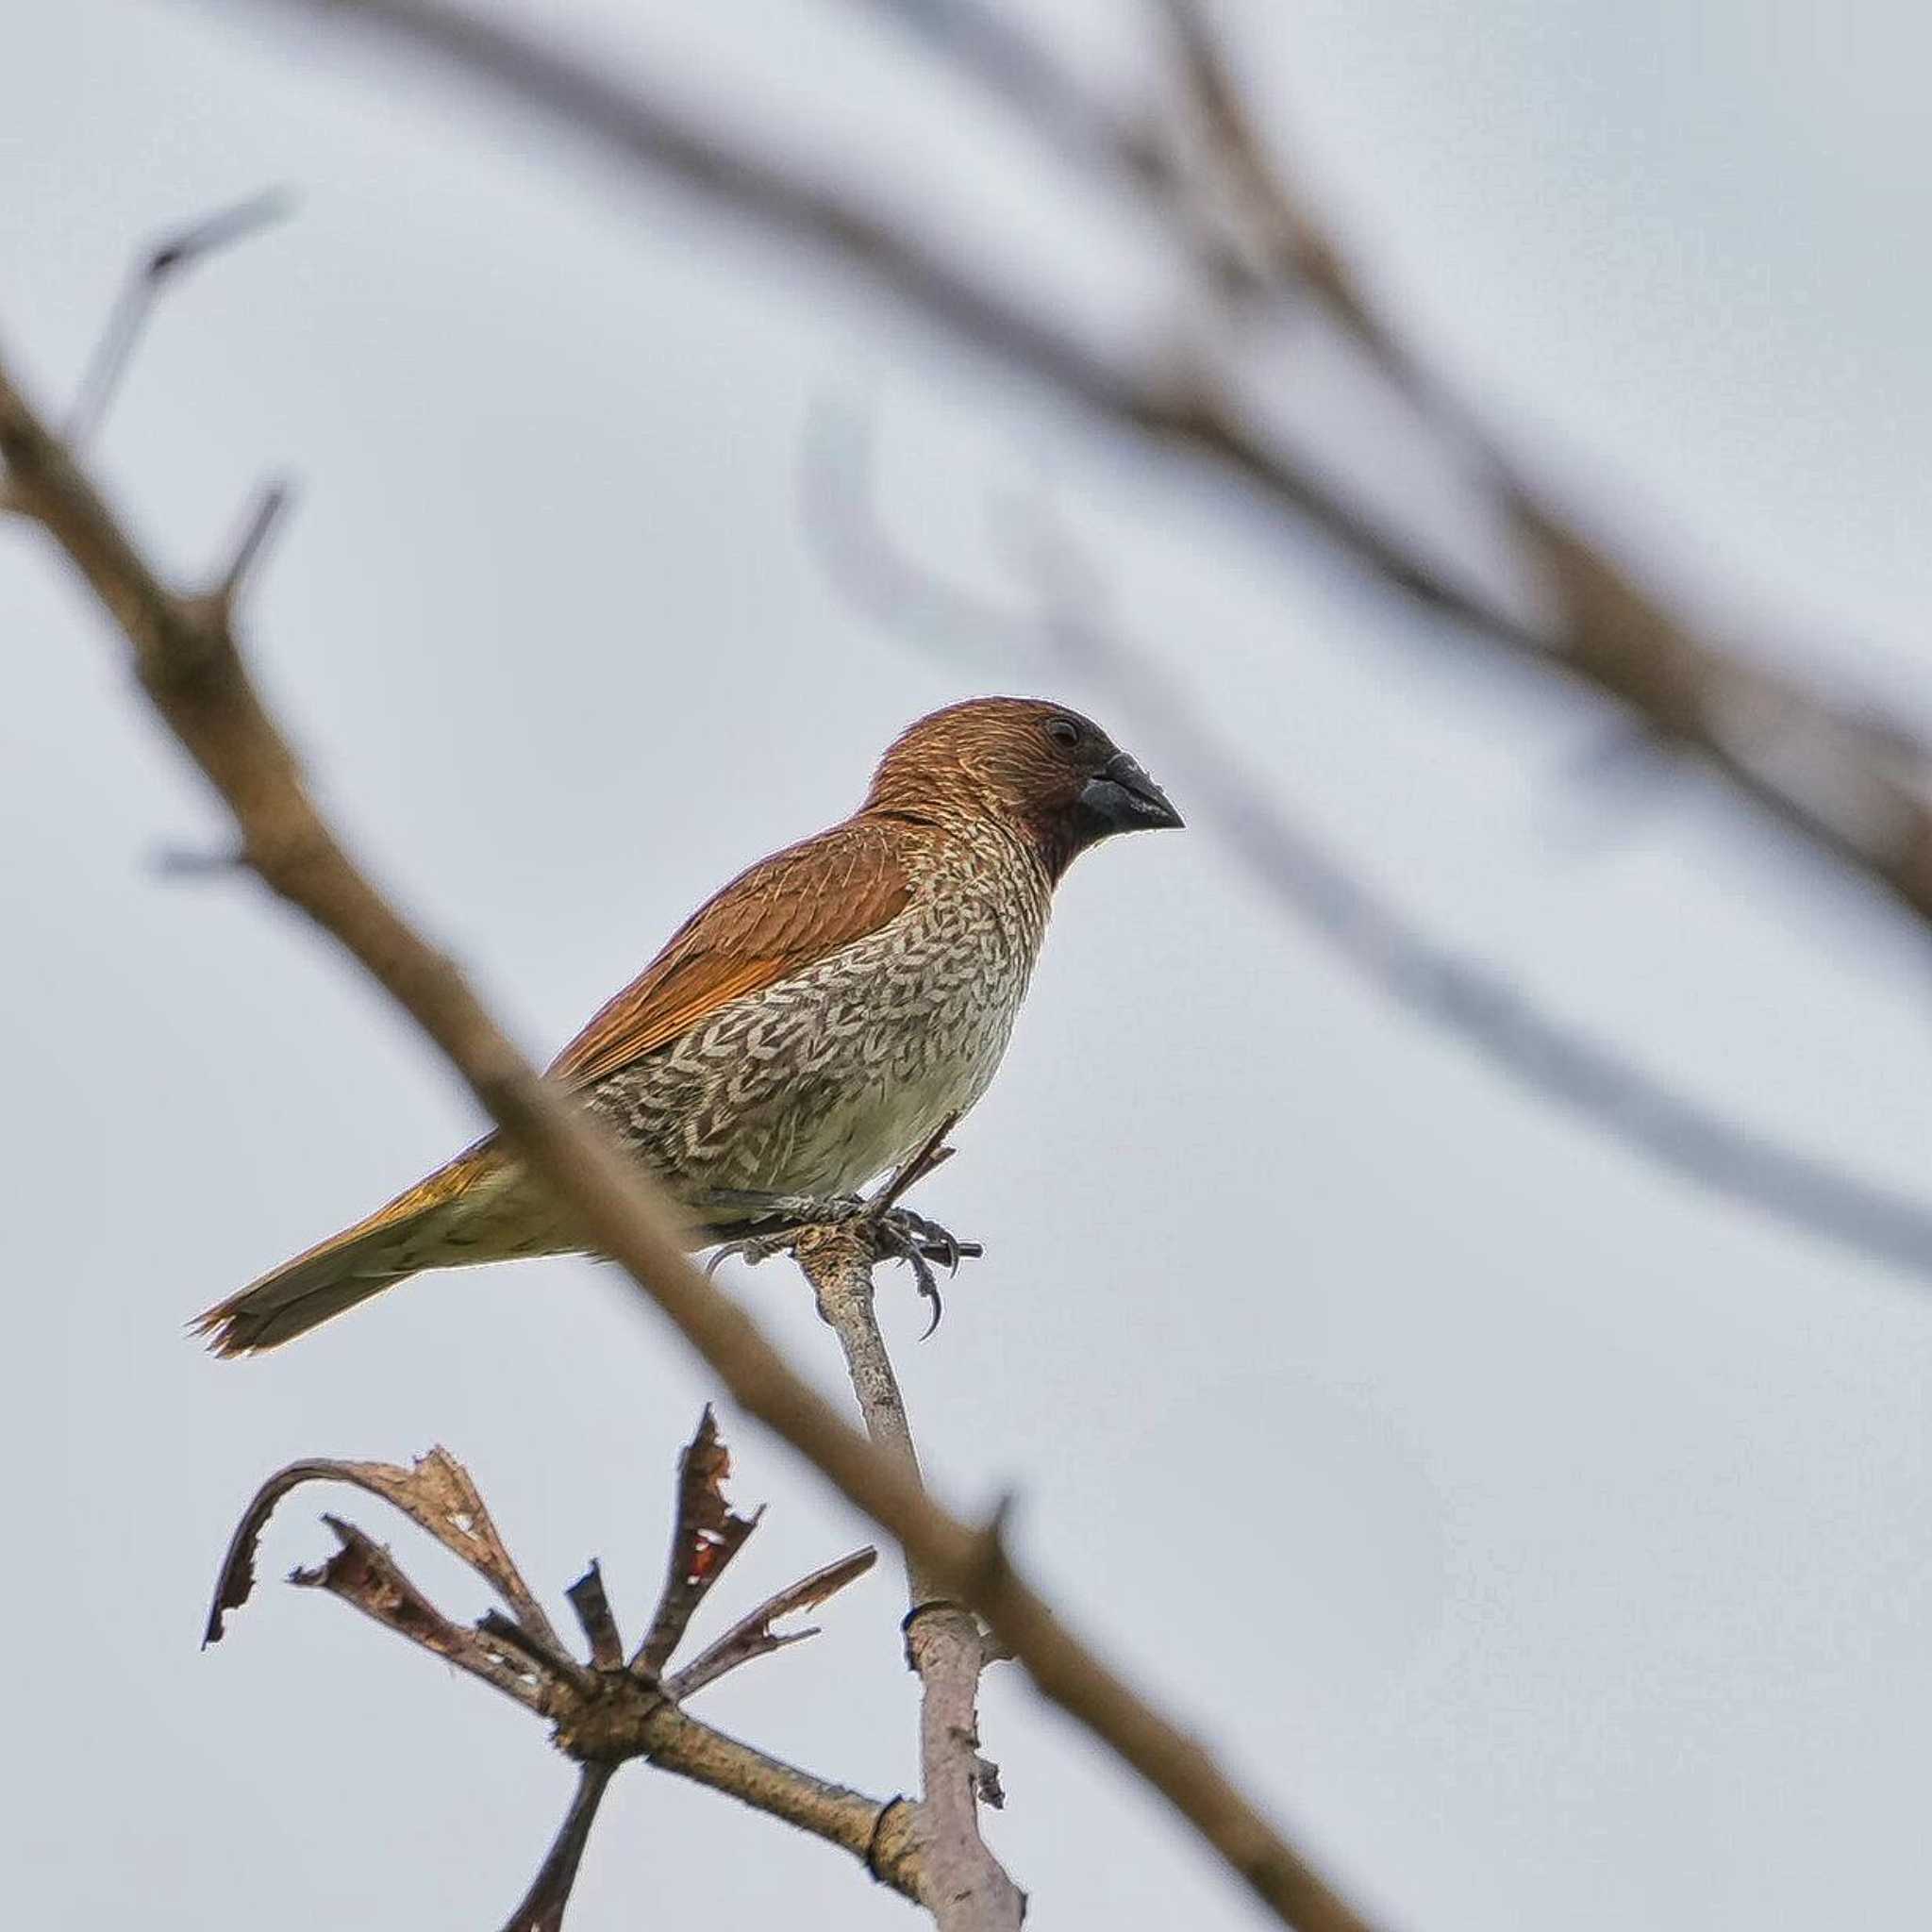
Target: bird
(822, 1020)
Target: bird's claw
(902, 1235)
(751, 1251)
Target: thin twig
(754, 1635)
(542, 1908)
(944, 1642)
(135, 306)
(587, 1598)
(193, 675)
(364, 1576)
(271, 504)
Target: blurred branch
(1176, 404)
(1297, 868)
(1819, 767)
(162, 265)
(945, 1645)
(1852, 782)
(602, 1713)
(187, 660)
(265, 515)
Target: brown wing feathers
(784, 914)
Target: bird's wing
(784, 915)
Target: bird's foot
(897, 1234)
(900, 1235)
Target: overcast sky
(1547, 1540)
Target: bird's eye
(1063, 731)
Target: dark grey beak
(1123, 798)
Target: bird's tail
(432, 1225)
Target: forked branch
(603, 1713)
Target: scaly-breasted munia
(817, 1023)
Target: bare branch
(1014, 63)
(189, 863)
(162, 264)
(1288, 243)
(364, 1574)
(541, 1908)
(603, 1714)
(592, 1607)
(1692, 692)
(1000, 49)
(194, 674)
(943, 1641)
(1854, 784)
(514, 1641)
(271, 504)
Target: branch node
(894, 1833)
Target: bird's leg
(912, 1237)
(774, 1221)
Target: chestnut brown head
(1051, 774)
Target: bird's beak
(1123, 798)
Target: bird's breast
(821, 1081)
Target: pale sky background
(1549, 1541)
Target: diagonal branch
(188, 664)
(753, 1636)
(1851, 783)
(366, 1577)
(1818, 767)
(541, 1908)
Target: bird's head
(1045, 771)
